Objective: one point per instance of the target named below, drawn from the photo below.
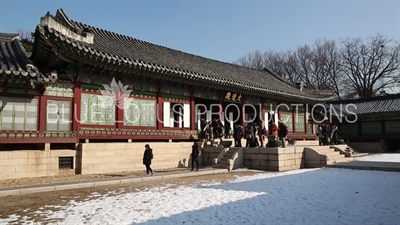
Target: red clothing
(273, 130)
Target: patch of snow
(246, 170)
(312, 196)
(389, 157)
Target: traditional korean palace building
(369, 124)
(59, 93)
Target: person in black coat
(237, 135)
(227, 129)
(282, 133)
(195, 156)
(147, 157)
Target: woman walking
(195, 156)
(147, 157)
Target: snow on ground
(389, 157)
(309, 196)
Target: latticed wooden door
(58, 115)
(18, 113)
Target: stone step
(225, 159)
(326, 150)
(220, 166)
(332, 159)
(224, 162)
(228, 155)
(332, 154)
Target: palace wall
(33, 163)
(118, 157)
(92, 158)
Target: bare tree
(283, 63)
(327, 52)
(25, 35)
(252, 60)
(26, 38)
(371, 67)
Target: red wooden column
(42, 112)
(242, 116)
(294, 120)
(160, 117)
(120, 116)
(193, 116)
(76, 113)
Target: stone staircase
(319, 156)
(229, 158)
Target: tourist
(325, 133)
(238, 135)
(203, 125)
(227, 128)
(261, 133)
(214, 125)
(220, 129)
(282, 133)
(256, 142)
(195, 156)
(273, 129)
(334, 134)
(320, 135)
(250, 135)
(147, 157)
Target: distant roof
(379, 104)
(130, 51)
(14, 61)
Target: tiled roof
(14, 60)
(130, 51)
(380, 104)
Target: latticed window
(371, 128)
(18, 113)
(300, 126)
(287, 119)
(309, 127)
(140, 112)
(97, 109)
(66, 162)
(392, 127)
(348, 129)
(58, 116)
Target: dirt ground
(27, 204)
(73, 177)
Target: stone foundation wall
(33, 163)
(93, 158)
(118, 157)
(274, 159)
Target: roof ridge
(369, 99)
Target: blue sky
(222, 30)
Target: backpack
(151, 153)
